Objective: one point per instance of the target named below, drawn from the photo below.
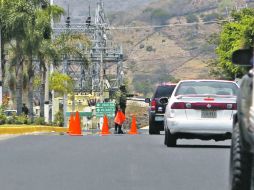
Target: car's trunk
(209, 107)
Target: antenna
(89, 8)
(88, 20)
(68, 19)
(68, 10)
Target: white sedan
(201, 109)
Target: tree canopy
(61, 83)
(235, 34)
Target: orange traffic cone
(71, 124)
(77, 127)
(134, 129)
(105, 127)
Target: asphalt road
(115, 162)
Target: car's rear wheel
(165, 137)
(240, 163)
(170, 139)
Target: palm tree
(16, 16)
(39, 45)
(27, 30)
(25, 22)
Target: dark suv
(242, 148)
(156, 109)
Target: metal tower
(103, 54)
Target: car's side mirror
(242, 57)
(164, 100)
(147, 100)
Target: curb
(17, 129)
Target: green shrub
(149, 48)
(191, 18)
(39, 121)
(29, 122)
(59, 119)
(210, 17)
(160, 16)
(3, 119)
(10, 120)
(141, 46)
(21, 119)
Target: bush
(191, 18)
(3, 119)
(10, 120)
(59, 119)
(150, 48)
(39, 121)
(211, 17)
(21, 119)
(160, 16)
(141, 46)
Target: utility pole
(65, 98)
(65, 65)
(101, 77)
(50, 69)
(1, 72)
(100, 38)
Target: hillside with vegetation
(163, 40)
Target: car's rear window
(164, 91)
(207, 87)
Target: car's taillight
(153, 105)
(209, 99)
(203, 105)
(178, 105)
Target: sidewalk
(146, 127)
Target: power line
(168, 25)
(78, 26)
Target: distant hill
(80, 7)
(155, 55)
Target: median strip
(18, 129)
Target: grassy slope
(178, 51)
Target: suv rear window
(164, 91)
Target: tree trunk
(30, 98)
(19, 87)
(42, 89)
(31, 89)
(3, 59)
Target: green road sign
(81, 114)
(106, 108)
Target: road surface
(115, 162)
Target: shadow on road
(203, 146)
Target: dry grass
(141, 114)
(194, 69)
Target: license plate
(208, 114)
(159, 118)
